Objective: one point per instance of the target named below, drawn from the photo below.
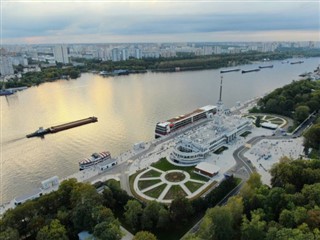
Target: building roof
(184, 116)
(84, 235)
(208, 167)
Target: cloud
(54, 20)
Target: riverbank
(134, 66)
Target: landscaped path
(168, 183)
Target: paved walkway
(169, 184)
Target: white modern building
(109, 163)
(61, 54)
(197, 145)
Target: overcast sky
(158, 21)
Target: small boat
(269, 66)
(231, 70)
(94, 159)
(298, 62)
(252, 70)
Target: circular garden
(175, 176)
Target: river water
(127, 107)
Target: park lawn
(155, 192)
(174, 192)
(277, 121)
(164, 165)
(151, 173)
(193, 186)
(147, 183)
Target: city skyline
(52, 22)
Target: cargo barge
(269, 66)
(231, 70)
(41, 131)
(253, 70)
(298, 62)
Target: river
(127, 107)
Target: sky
(106, 21)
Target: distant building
(61, 54)
(19, 60)
(138, 53)
(6, 67)
(124, 54)
(115, 55)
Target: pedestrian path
(168, 184)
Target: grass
(131, 181)
(151, 173)
(155, 192)
(164, 165)
(246, 133)
(220, 150)
(147, 183)
(277, 121)
(174, 192)
(193, 186)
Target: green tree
(217, 224)
(312, 137)
(150, 215)
(254, 229)
(180, 210)
(101, 214)
(8, 234)
(235, 206)
(286, 219)
(108, 231)
(52, 232)
(133, 211)
(144, 235)
(164, 218)
(258, 121)
(301, 113)
(108, 199)
(81, 217)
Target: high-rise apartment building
(115, 55)
(138, 53)
(61, 54)
(124, 54)
(6, 67)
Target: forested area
(76, 207)
(289, 209)
(296, 100)
(46, 75)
